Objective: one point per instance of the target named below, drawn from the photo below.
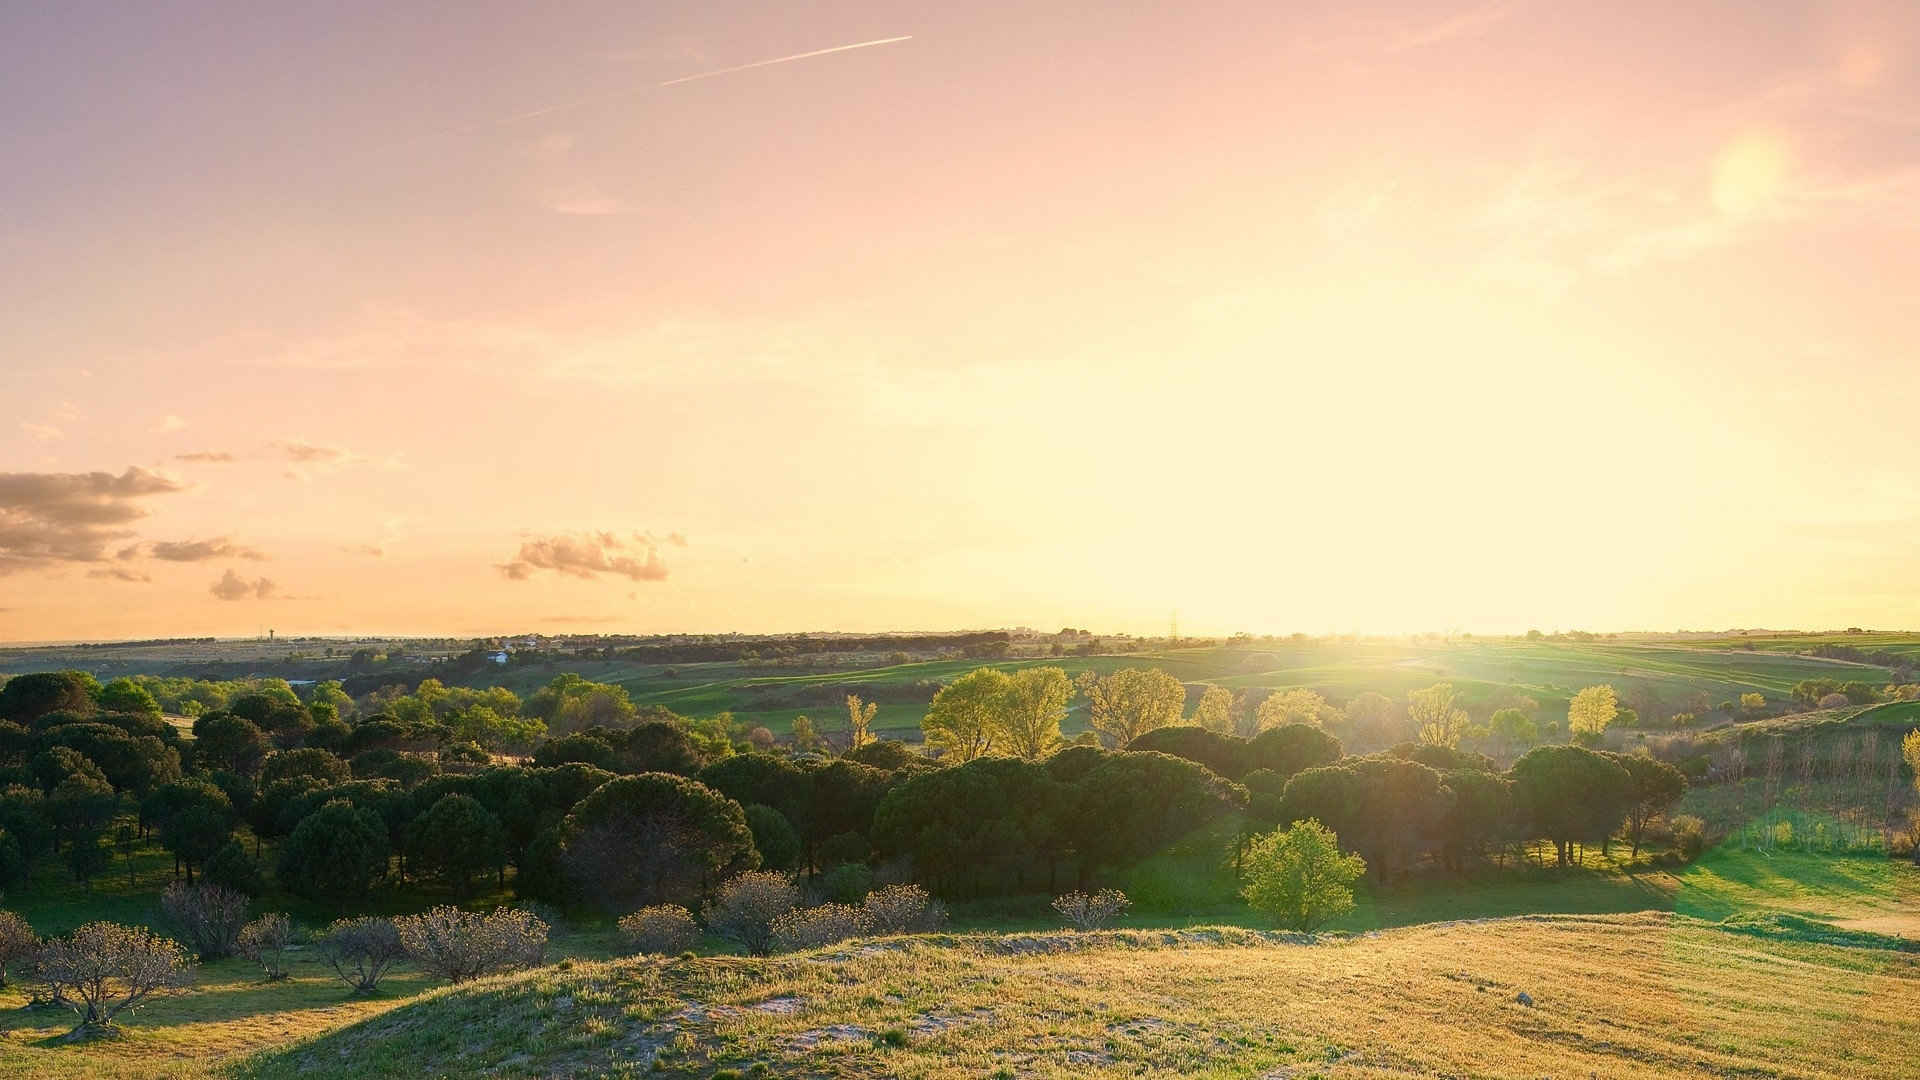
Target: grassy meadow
(1624, 996)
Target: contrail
(786, 59)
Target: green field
(1680, 677)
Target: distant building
(498, 657)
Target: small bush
(18, 943)
(846, 883)
(459, 945)
(360, 951)
(745, 908)
(901, 909)
(663, 929)
(1096, 912)
(264, 941)
(208, 916)
(815, 927)
(1689, 836)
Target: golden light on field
(1296, 317)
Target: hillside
(1616, 996)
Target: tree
(1387, 809)
(1296, 706)
(224, 741)
(1437, 717)
(456, 840)
(1290, 748)
(1131, 702)
(1133, 805)
(1373, 719)
(1513, 727)
(335, 853)
(26, 698)
(1656, 787)
(460, 946)
(1299, 876)
(103, 969)
(1224, 754)
(1571, 794)
(322, 765)
(1214, 711)
(773, 836)
(127, 696)
(1036, 703)
(655, 837)
(860, 721)
(1590, 711)
(968, 715)
(1753, 704)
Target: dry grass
(1620, 996)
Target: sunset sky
(1286, 317)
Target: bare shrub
(901, 909)
(744, 909)
(104, 969)
(461, 945)
(663, 929)
(360, 951)
(1095, 912)
(815, 927)
(264, 941)
(18, 944)
(208, 916)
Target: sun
(1750, 174)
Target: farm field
(1681, 676)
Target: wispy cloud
(202, 550)
(120, 573)
(206, 457)
(785, 59)
(635, 556)
(169, 423)
(1471, 22)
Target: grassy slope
(230, 1013)
(1619, 996)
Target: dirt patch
(827, 1036)
(1907, 926)
(936, 1023)
(779, 1006)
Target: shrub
(18, 943)
(847, 882)
(360, 951)
(460, 945)
(264, 941)
(232, 868)
(745, 908)
(1299, 876)
(208, 916)
(104, 969)
(663, 929)
(901, 909)
(815, 927)
(1689, 836)
(1096, 912)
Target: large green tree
(1299, 876)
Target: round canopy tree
(654, 838)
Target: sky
(1318, 317)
